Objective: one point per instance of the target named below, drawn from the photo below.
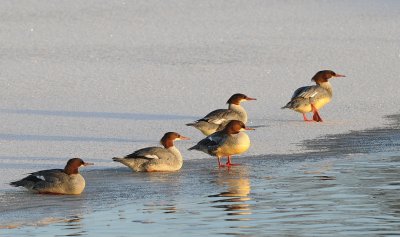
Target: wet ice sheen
(333, 192)
(263, 197)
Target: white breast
(76, 185)
(235, 144)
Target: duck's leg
(306, 119)
(316, 116)
(229, 162)
(219, 162)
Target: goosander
(227, 142)
(149, 159)
(311, 98)
(56, 181)
(218, 119)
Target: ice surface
(312, 193)
(98, 79)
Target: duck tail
(27, 182)
(287, 106)
(15, 184)
(196, 147)
(117, 159)
(293, 104)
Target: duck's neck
(176, 152)
(71, 170)
(328, 87)
(240, 110)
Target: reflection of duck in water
(237, 184)
(237, 187)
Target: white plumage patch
(314, 94)
(218, 121)
(152, 156)
(40, 177)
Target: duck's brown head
(324, 76)
(74, 164)
(235, 126)
(168, 139)
(237, 98)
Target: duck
(218, 119)
(312, 98)
(56, 181)
(232, 140)
(152, 159)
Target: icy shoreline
(351, 165)
(98, 79)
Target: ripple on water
(345, 194)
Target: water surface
(351, 187)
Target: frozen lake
(336, 192)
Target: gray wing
(220, 116)
(48, 178)
(218, 139)
(49, 175)
(212, 142)
(306, 92)
(41, 178)
(151, 153)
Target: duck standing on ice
(150, 159)
(227, 142)
(311, 98)
(218, 119)
(56, 181)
